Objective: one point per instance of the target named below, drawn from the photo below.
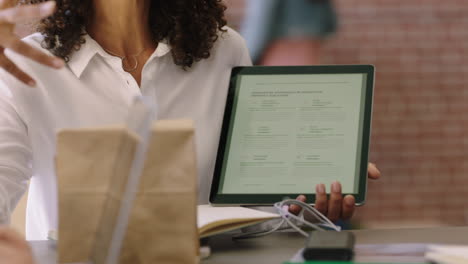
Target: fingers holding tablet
(373, 172)
(338, 207)
(349, 205)
(335, 208)
(295, 209)
(321, 200)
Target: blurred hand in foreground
(13, 248)
(12, 14)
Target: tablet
(287, 129)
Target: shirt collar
(81, 58)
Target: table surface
(280, 247)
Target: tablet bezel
(269, 199)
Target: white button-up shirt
(93, 90)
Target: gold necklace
(126, 58)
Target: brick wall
(420, 125)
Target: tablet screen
(289, 132)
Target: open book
(216, 220)
(449, 254)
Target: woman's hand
(10, 15)
(338, 207)
(13, 248)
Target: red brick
(420, 134)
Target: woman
(178, 52)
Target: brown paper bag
(92, 169)
(162, 227)
(87, 162)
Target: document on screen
(291, 132)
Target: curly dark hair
(190, 27)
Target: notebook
(215, 220)
(447, 254)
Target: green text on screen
(291, 132)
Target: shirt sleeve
(15, 155)
(244, 58)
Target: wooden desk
(279, 247)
